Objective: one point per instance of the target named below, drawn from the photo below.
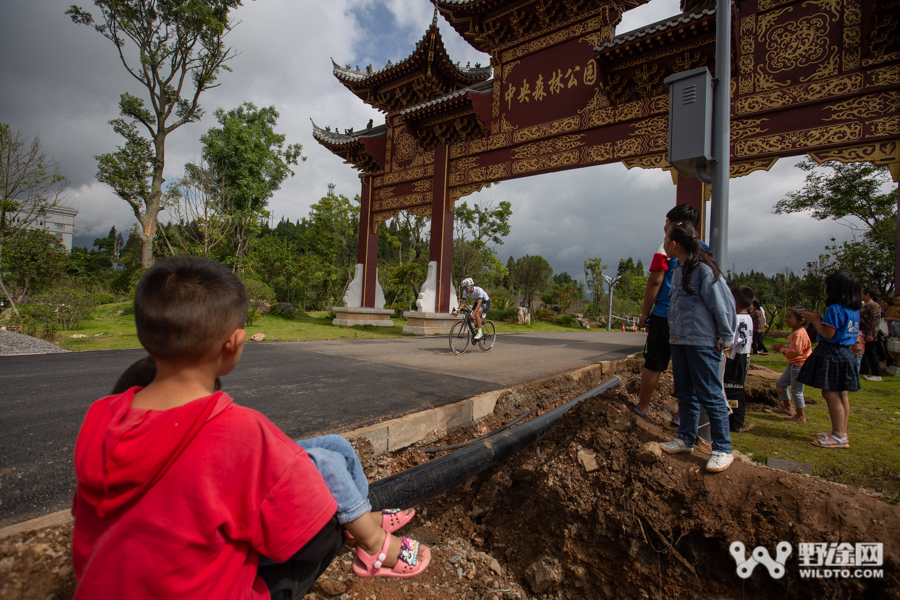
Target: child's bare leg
(845, 403)
(836, 412)
(785, 403)
(800, 415)
(370, 537)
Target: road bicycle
(463, 333)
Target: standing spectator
(831, 367)
(759, 328)
(701, 324)
(737, 361)
(892, 317)
(655, 312)
(796, 351)
(869, 316)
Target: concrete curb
(52, 520)
(435, 423)
(395, 434)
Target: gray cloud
(63, 82)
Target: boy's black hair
(744, 296)
(843, 288)
(686, 236)
(141, 374)
(684, 212)
(183, 306)
(797, 311)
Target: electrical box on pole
(690, 122)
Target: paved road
(306, 388)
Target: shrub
(104, 298)
(58, 308)
(258, 293)
(501, 314)
(567, 320)
(124, 283)
(542, 314)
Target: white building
(55, 220)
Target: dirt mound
(592, 521)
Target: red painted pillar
(441, 250)
(690, 191)
(367, 254)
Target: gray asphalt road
(306, 388)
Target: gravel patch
(12, 343)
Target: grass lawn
(873, 460)
(106, 330)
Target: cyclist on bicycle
(482, 303)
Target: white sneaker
(676, 446)
(719, 461)
(478, 336)
(873, 378)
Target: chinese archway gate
(817, 77)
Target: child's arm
(826, 331)
(720, 303)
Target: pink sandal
(409, 564)
(393, 519)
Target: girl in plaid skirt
(832, 367)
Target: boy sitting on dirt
(179, 489)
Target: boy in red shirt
(179, 489)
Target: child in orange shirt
(797, 350)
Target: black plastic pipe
(421, 482)
(478, 439)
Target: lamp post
(611, 283)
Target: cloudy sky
(62, 82)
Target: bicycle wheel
(459, 337)
(489, 336)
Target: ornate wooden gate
(817, 77)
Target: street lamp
(611, 283)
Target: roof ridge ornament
(434, 20)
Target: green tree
(483, 223)
(202, 208)
(33, 261)
(175, 49)
(30, 183)
(851, 194)
(593, 277)
(332, 232)
(531, 275)
(252, 161)
(275, 261)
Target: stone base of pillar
(345, 316)
(421, 323)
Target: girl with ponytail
(702, 320)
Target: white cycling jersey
(476, 293)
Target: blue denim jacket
(705, 318)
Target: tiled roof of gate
(355, 75)
(682, 19)
(341, 139)
(484, 87)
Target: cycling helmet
(468, 282)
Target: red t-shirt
(181, 503)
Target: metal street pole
(721, 144)
(611, 282)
